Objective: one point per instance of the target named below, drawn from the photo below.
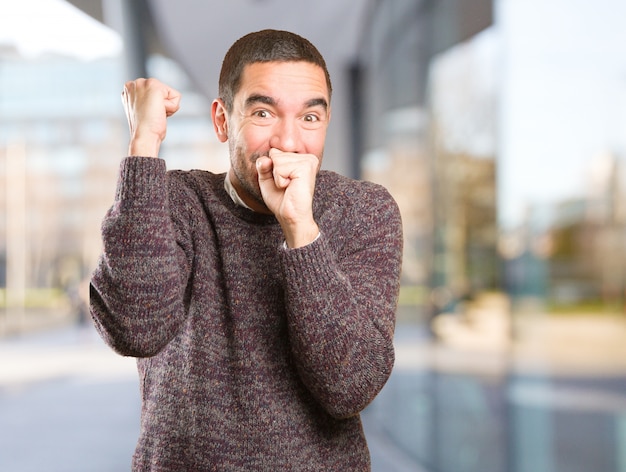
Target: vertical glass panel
(509, 170)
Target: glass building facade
(511, 328)
(62, 132)
(498, 126)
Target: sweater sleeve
(137, 289)
(341, 306)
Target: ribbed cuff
(141, 178)
(314, 260)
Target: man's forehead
(258, 74)
(278, 64)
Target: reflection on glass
(511, 358)
(505, 150)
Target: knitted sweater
(251, 356)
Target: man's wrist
(286, 246)
(145, 147)
(302, 236)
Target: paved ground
(68, 404)
(555, 401)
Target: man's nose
(286, 136)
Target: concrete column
(125, 16)
(15, 185)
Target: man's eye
(311, 118)
(261, 114)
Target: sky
(37, 27)
(563, 98)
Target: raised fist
(148, 103)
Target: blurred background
(498, 125)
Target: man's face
(282, 105)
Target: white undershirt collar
(230, 190)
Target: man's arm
(137, 289)
(341, 307)
(136, 292)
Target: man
(261, 303)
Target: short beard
(253, 191)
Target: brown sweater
(252, 357)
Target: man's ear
(220, 121)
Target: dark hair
(265, 46)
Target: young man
(261, 303)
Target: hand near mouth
(287, 183)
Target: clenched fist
(148, 103)
(287, 183)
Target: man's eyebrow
(266, 100)
(317, 102)
(254, 99)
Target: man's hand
(287, 182)
(148, 103)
